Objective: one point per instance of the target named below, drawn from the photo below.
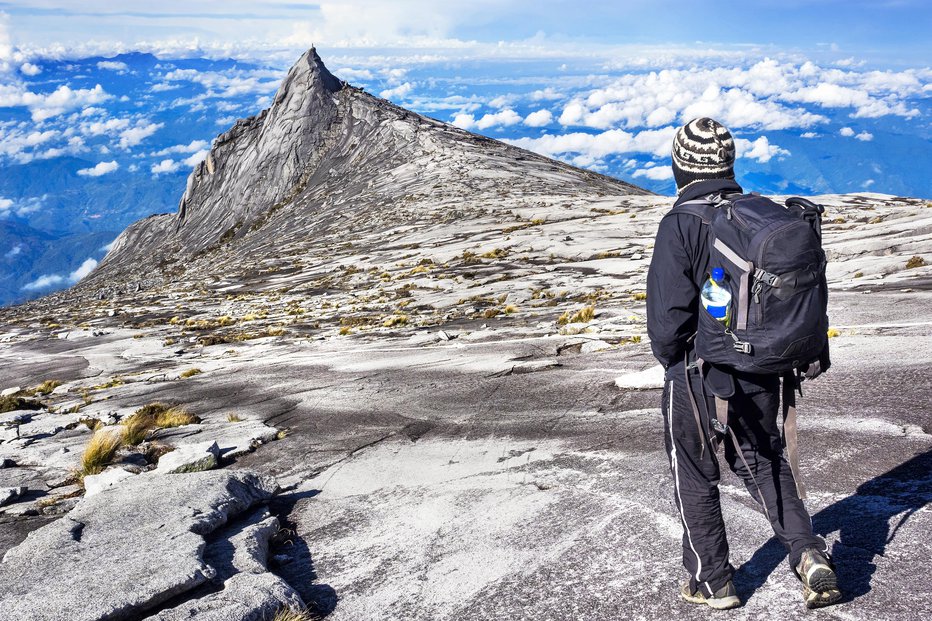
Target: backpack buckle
(742, 347)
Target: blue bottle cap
(718, 274)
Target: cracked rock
(238, 554)
(120, 554)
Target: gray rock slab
(245, 597)
(118, 554)
(96, 483)
(642, 380)
(189, 458)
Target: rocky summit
(376, 367)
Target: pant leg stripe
(676, 486)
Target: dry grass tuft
(100, 451)
(833, 332)
(234, 418)
(584, 315)
(511, 308)
(640, 295)
(155, 415)
(915, 261)
(190, 373)
(13, 402)
(287, 614)
(395, 320)
(45, 387)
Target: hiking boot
(723, 599)
(820, 584)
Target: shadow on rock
(291, 558)
(864, 521)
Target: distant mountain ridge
(328, 157)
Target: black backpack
(775, 267)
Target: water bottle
(716, 297)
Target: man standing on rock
(703, 166)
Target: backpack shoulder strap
(702, 208)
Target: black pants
(753, 412)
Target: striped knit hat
(702, 149)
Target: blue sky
(122, 99)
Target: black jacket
(678, 269)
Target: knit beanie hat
(702, 149)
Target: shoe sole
(822, 587)
(719, 603)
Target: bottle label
(718, 312)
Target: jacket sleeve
(672, 289)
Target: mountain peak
(311, 71)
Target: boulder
(10, 493)
(190, 458)
(593, 346)
(119, 554)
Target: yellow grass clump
(155, 415)
(584, 315)
(287, 614)
(100, 451)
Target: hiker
(710, 403)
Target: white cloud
(192, 147)
(353, 75)
(100, 169)
(546, 94)
(86, 268)
(846, 131)
(464, 121)
(539, 118)
(165, 166)
(45, 282)
(22, 207)
(134, 135)
(501, 101)
(48, 281)
(657, 173)
(399, 92)
(111, 65)
(596, 146)
(30, 69)
(14, 251)
(504, 118)
(830, 95)
(195, 158)
(809, 135)
(45, 106)
(760, 149)
(865, 136)
(109, 127)
(225, 84)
